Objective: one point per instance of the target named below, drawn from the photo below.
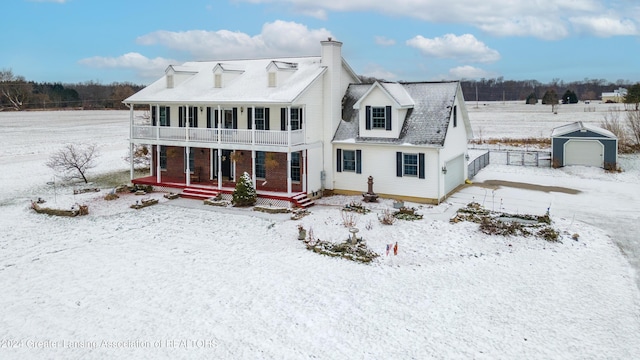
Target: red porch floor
(299, 199)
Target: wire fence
(509, 157)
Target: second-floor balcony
(213, 136)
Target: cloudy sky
(134, 41)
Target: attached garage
(585, 145)
(455, 173)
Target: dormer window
(217, 80)
(169, 81)
(378, 118)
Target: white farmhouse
(300, 127)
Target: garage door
(584, 152)
(455, 174)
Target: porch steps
(198, 193)
(302, 200)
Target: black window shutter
(153, 115)
(266, 118)
(368, 117)
(167, 112)
(421, 165)
(398, 164)
(283, 119)
(209, 117)
(300, 116)
(387, 114)
(249, 118)
(339, 160)
(215, 118)
(181, 116)
(195, 117)
(358, 161)
(235, 117)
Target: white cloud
(604, 26)
(384, 41)
(378, 72)
(548, 20)
(464, 47)
(145, 67)
(469, 72)
(279, 38)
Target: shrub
(244, 193)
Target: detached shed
(583, 144)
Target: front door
(226, 164)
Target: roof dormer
(175, 75)
(279, 71)
(223, 74)
(382, 110)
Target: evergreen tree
(569, 97)
(244, 194)
(532, 99)
(633, 96)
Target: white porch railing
(227, 136)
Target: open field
(180, 280)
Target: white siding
(379, 98)
(314, 169)
(380, 162)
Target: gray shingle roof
(425, 124)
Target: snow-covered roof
(426, 122)
(394, 91)
(580, 126)
(251, 86)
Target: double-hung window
(295, 166)
(163, 157)
(261, 170)
(378, 117)
(410, 165)
(295, 119)
(259, 119)
(349, 160)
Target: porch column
(219, 131)
(152, 161)
(289, 128)
(219, 168)
(303, 170)
(158, 170)
(187, 158)
(253, 167)
(131, 170)
(289, 169)
(253, 127)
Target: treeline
(499, 89)
(16, 93)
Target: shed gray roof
(425, 124)
(579, 126)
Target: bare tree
(612, 123)
(633, 122)
(74, 161)
(14, 88)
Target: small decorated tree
(244, 194)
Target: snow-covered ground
(183, 280)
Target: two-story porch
(212, 154)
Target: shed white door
(455, 173)
(584, 152)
